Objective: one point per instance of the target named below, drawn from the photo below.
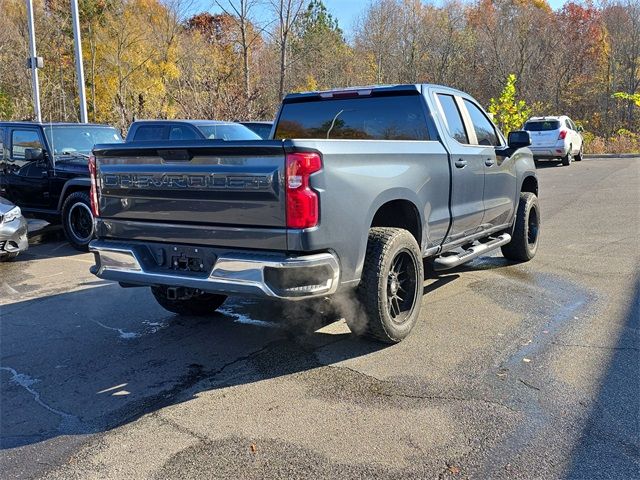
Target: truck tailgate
(203, 183)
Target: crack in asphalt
(600, 347)
(422, 396)
(529, 385)
(180, 428)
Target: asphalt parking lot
(513, 371)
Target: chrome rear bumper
(233, 273)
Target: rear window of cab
(369, 118)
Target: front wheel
(526, 232)
(196, 305)
(8, 256)
(390, 289)
(77, 220)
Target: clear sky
(346, 11)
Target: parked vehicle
(13, 231)
(555, 138)
(263, 129)
(43, 170)
(358, 187)
(176, 130)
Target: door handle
(460, 163)
(489, 162)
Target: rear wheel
(77, 220)
(390, 289)
(578, 157)
(197, 304)
(568, 158)
(526, 232)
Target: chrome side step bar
(453, 260)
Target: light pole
(79, 68)
(34, 62)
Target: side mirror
(33, 154)
(519, 139)
(580, 129)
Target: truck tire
(201, 305)
(568, 158)
(77, 220)
(526, 231)
(390, 289)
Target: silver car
(13, 231)
(555, 138)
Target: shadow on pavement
(50, 244)
(91, 360)
(610, 443)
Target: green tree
(320, 52)
(508, 112)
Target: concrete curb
(611, 155)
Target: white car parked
(555, 137)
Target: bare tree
(249, 35)
(377, 33)
(287, 13)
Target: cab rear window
(369, 118)
(542, 126)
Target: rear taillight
(93, 194)
(302, 201)
(563, 134)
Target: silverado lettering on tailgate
(212, 181)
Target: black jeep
(44, 170)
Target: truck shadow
(88, 361)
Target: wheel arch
(529, 184)
(71, 186)
(383, 213)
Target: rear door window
(453, 118)
(485, 132)
(23, 139)
(148, 133)
(368, 118)
(542, 125)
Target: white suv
(555, 137)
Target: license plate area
(185, 263)
(183, 259)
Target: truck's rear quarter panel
(357, 178)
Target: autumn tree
(508, 112)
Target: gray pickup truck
(356, 190)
